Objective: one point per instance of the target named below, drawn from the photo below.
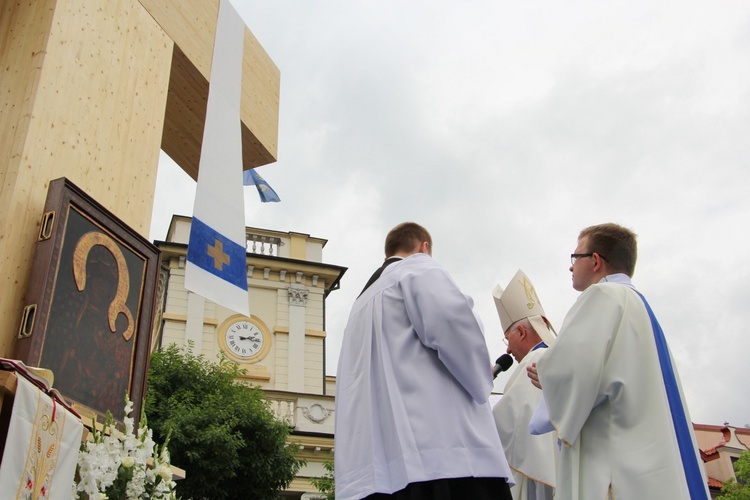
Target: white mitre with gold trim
(518, 301)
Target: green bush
(739, 489)
(223, 434)
(326, 484)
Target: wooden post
(92, 89)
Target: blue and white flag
(216, 258)
(265, 191)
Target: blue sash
(679, 419)
(540, 345)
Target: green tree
(325, 484)
(739, 489)
(223, 434)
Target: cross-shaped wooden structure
(92, 90)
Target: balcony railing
(264, 245)
(284, 410)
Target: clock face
(244, 339)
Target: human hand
(533, 375)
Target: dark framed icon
(89, 306)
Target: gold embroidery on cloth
(528, 288)
(44, 450)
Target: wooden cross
(96, 89)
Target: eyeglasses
(505, 337)
(575, 256)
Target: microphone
(501, 364)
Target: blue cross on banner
(216, 254)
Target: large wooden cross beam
(92, 90)
(193, 36)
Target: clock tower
(281, 345)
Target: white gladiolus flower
(165, 471)
(107, 451)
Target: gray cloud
(505, 129)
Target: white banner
(216, 261)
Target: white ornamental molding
(297, 296)
(316, 413)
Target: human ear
(522, 331)
(598, 262)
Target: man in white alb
(413, 420)
(611, 387)
(527, 333)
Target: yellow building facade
(281, 345)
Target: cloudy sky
(505, 128)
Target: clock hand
(250, 338)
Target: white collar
(621, 278)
